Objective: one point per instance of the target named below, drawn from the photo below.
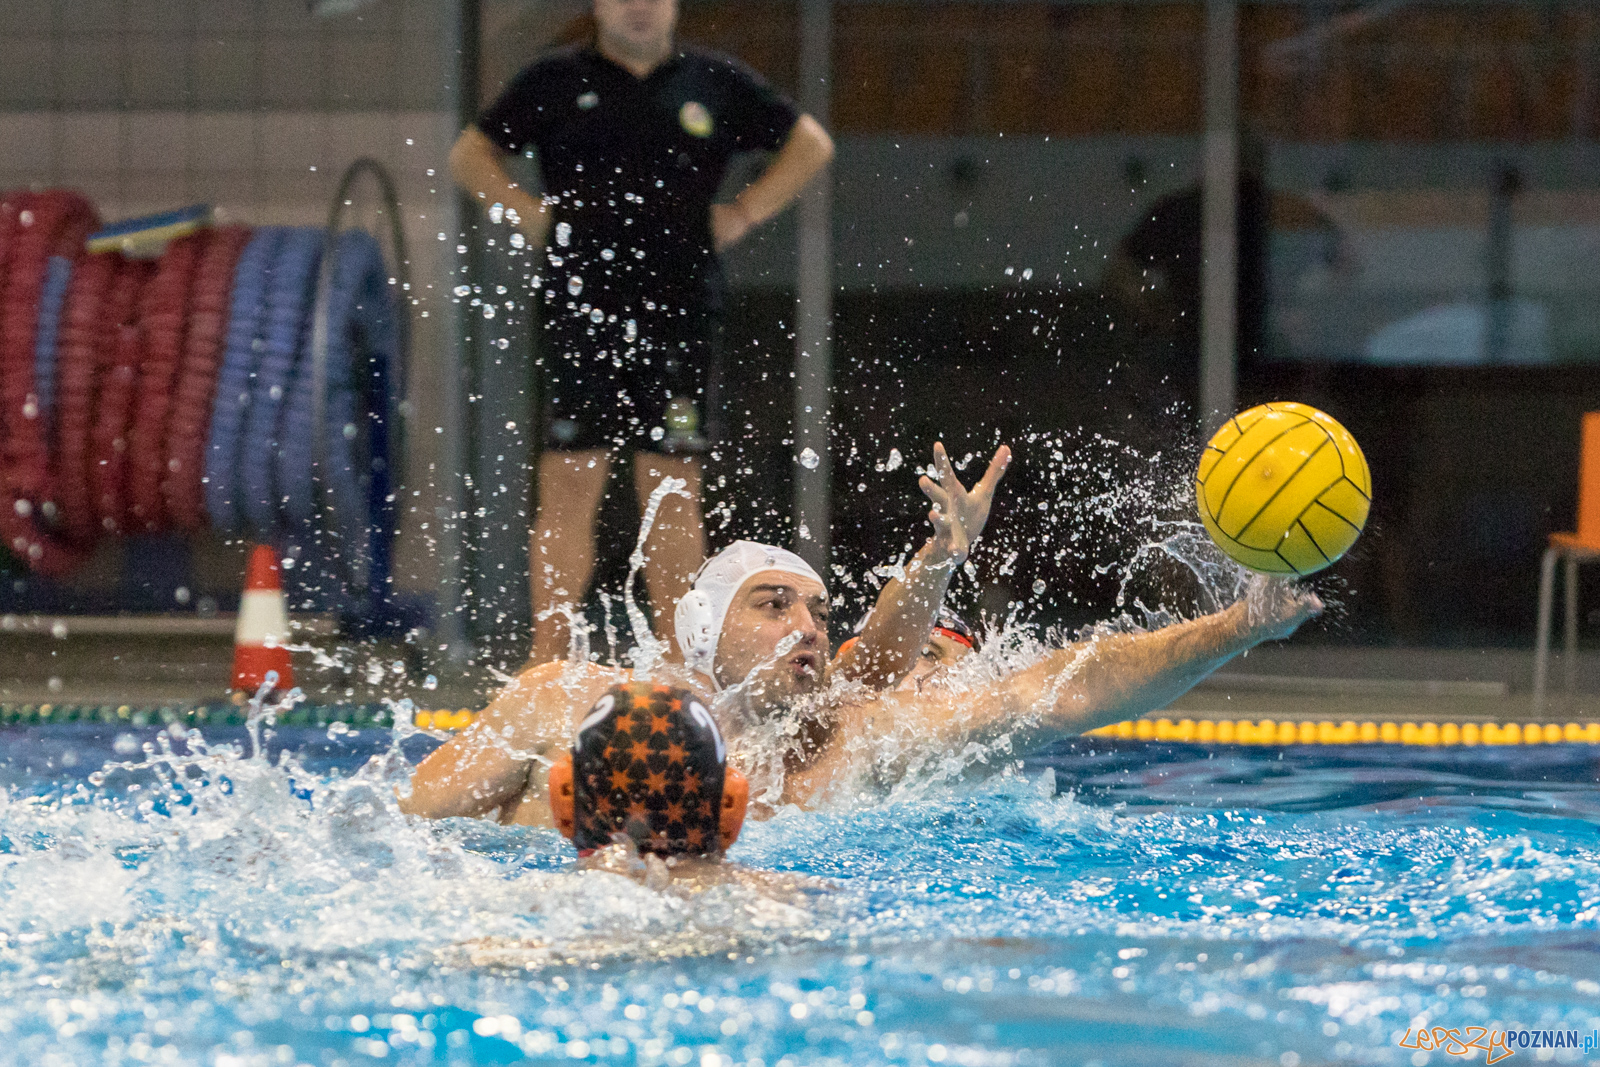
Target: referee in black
(633, 131)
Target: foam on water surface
(212, 907)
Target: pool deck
(1286, 682)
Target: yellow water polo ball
(1283, 489)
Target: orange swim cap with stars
(648, 762)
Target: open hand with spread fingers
(959, 514)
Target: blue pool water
(1110, 903)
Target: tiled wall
(256, 166)
(209, 55)
(256, 107)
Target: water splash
(648, 649)
(232, 894)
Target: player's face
(939, 653)
(642, 25)
(770, 607)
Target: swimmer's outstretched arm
(903, 616)
(489, 765)
(1104, 680)
(1122, 676)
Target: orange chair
(1575, 548)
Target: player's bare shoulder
(539, 706)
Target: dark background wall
(974, 138)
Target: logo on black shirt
(695, 118)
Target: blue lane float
(285, 333)
(356, 499)
(58, 275)
(232, 397)
(262, 477)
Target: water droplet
(563, 234)
(24, 508)
(518, 241)
(502, 344)
(1038, 586)
(607, 254)
(54, 684)
(574, 285)
(497, 213)
(59, 631)
(597, 316)
(349, 431)
(809, 459)
(1027, 273)
(488, 311)
(463, 290)
(657, 433)
(430, 682)
(630, 330)
(894, 460)
(181, 594)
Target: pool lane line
(1349, 732)
(223, 713)
(219, 713)
(1270, 732)
(1188, 731)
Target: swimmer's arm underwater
(904, 614)
(490, 766)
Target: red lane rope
(163, 312)
(190, 422)
(48, 223)
(108, 443)
(10, 208)
(82, 338)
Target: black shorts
(641, 376)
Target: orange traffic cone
(260, 640)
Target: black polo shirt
(631, 164)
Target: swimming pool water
(1111, 903)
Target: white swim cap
(698, 619)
